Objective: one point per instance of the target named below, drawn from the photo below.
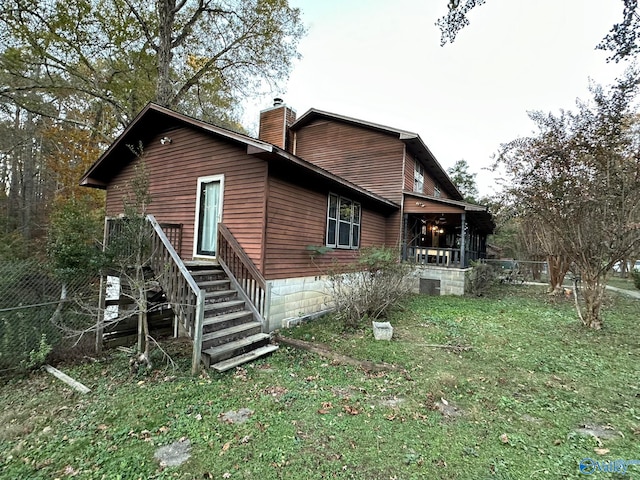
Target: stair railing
(184, 295)
(243, 273)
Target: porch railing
(442, 257)
(242, 272)
(181, 290)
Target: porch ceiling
(477, 215)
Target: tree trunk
(166, 20)
(593, 293)
(558, 268)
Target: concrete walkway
(629, 293)
(623, 291)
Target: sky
(381, 61)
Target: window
(436, 190)
(418, 177)
(343, 222)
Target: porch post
(405, 237)
(463, 234)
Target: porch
(439, 241)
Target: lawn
(509, 407)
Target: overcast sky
(381, 61)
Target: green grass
(619, 282)
(532, 377)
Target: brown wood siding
(173, 171)
(409, 171)
(393, 233)
(296, 218)
(370, 159)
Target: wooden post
(197, 334)
(463, 234)
(100, 319)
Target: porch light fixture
(166, 140)
(420, 204)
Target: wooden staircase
(231, 335)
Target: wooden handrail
(244, 275)
(224, 232)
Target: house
(244, 215)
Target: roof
(155, 119)
(412, 140)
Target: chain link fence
(44, 315)
(520, 271)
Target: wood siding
(421, 205)
(429, 182)
(173, 171)
(296, 218)
(370, 159)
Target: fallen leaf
(225, 447)
(226, 475)
(444, 402)
(351, 410)
(601, 451)
(504, 438)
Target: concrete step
(244, 358)
(237, 347)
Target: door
(209, 211)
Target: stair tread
(230, 330)
(219, 293)
(243, 342)
(223, 305)
(212, 282)
(200, 263)
(213, 271)
(225, 317)
(244, 358)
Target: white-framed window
(418, 177)
(343, 222)
(436, 190)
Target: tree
(108, 58)
(577, 185)
(623, 40)
(464, 180)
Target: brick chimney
(275, 123)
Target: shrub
(370, 287)
(481, 278)
(635, 275)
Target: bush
(370, 287)
(635, 275)
(481, 278)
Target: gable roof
(412, 140)
(154, 120)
